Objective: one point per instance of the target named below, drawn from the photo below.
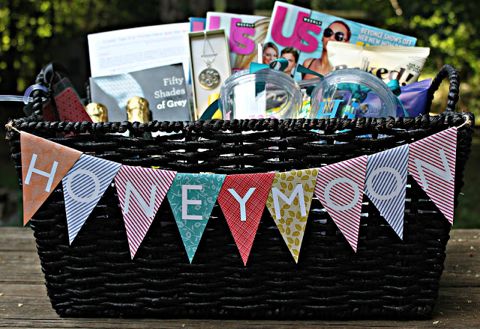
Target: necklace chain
(208, 58)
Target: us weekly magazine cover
(244, 33)
(304, 33)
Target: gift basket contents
(242, 166)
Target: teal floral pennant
(192, 197)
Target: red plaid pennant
(242, 200)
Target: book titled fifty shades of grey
(164, 87)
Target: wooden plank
(26, 306)
(14, 270)
(226, 324)
(457, 306)
(22, 290)
(464, 234)
(462, 265)
(454, 310)
(16, 239)
(24, 302)
(18, 232)
(31, 302)
(20, 267)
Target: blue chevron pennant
(83, 186)
(386, 181)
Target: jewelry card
(210, 66)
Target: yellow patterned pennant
(289, 203)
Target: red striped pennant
(141, 192)
(340, 190)
(432, 164)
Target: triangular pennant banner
(141, 192)
(83, 187)
(289, 204)
(340, 190)
(242, 200)
(44, 164)
(432, 164)
(386, 183)
(192, 197)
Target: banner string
(467, 122)
(9, 126)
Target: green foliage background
(33, 32)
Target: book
(164, 88)
(139, 48)
(244, 34)
(303, 33)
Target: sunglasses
(339, 36)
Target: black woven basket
(386, 278)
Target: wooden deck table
(24, 302)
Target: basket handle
(47, 76)
(450, 73)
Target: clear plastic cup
(264, 94)
(352, 93)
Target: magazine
(244, 33)
(301, 35)
(403, 64)
(197, 24)
(163, 87)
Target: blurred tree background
(35, 32)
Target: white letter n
(445, 174)
(147, 209)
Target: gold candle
(138, 109)
(97, 112)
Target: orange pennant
(44, 164)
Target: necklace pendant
(209, 78)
